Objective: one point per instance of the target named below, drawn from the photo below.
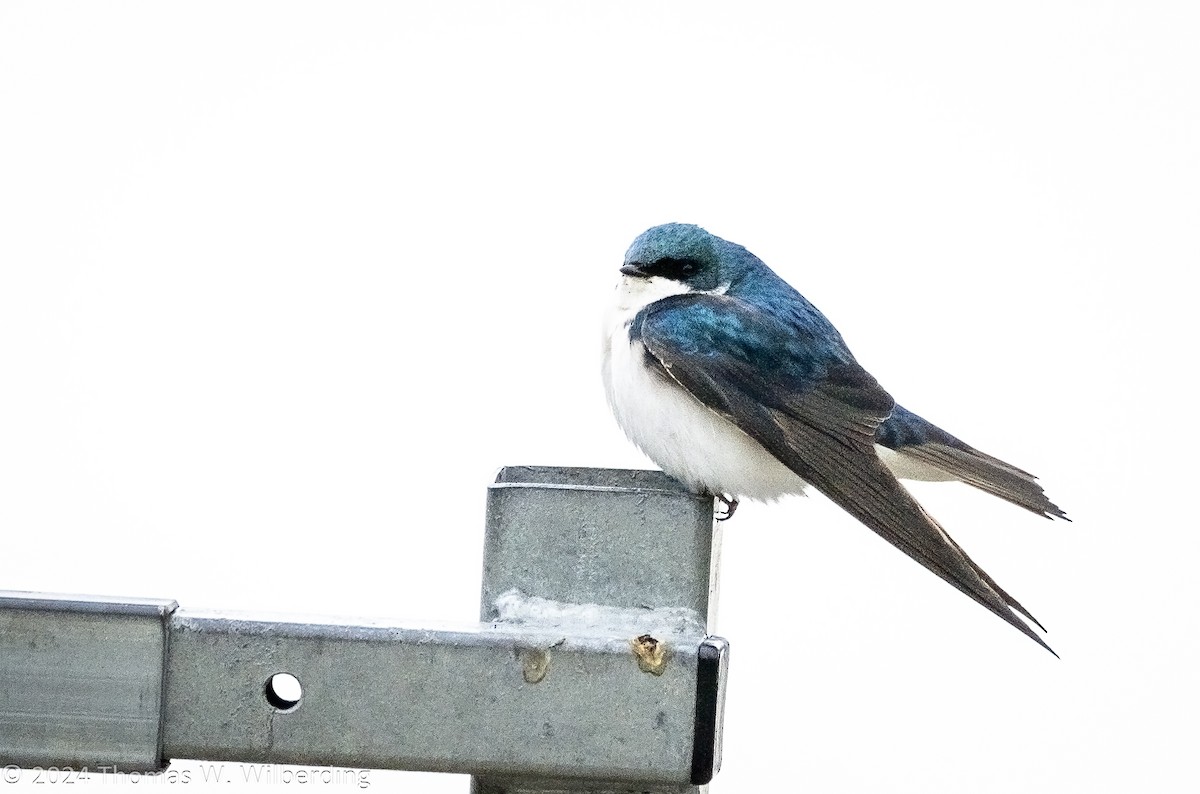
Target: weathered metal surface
(81, 680)
(600, 536)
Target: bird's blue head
(685, 253)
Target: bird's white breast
(679, 433)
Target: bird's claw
(728, 504)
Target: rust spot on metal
(651, 654)
(535, 663)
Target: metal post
(627, 544)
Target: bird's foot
(728, 505)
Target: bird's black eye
(674, 268)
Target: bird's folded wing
(816, 410)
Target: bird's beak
(633, 269)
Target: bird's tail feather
(988, 474)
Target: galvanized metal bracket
(591, 670)
(632, 541)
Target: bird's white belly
(687, 440)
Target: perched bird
(738, 387)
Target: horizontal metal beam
(484, 700)
(84, 685)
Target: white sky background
(281, 286)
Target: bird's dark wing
(815, 409)
(910, 435)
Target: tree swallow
(738, 387)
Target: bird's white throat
(635, 293)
